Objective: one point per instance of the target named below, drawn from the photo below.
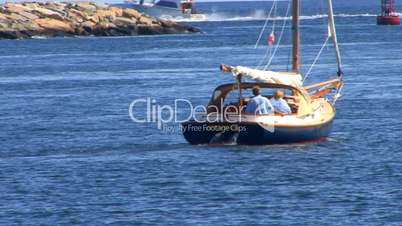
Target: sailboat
(312, 106)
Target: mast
(296, 36)
(332, 33)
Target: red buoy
(271, 39)
(388, 16)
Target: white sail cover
(284, 78)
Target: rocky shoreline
(51, 19)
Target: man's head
(256, 90)
(279, 94)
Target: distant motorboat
(165, 8)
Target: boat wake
(258, 15)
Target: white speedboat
(166, 8)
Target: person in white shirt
(259, 104)
(280, 105)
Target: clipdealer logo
(147, 110)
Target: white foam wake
(215, 17)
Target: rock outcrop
(28, 19)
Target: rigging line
(265, 24)
(274, 16)
(316, 59)
(337, 95)
(268, 52)
(288, 63)
(280, 37)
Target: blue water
(70, 154)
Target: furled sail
(284, 78)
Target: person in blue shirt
(259, 104)
(280, 105)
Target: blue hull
(253, 134)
